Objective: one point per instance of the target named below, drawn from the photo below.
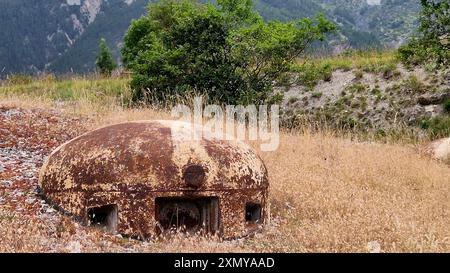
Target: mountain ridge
(61, 36)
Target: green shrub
(432, 44)
(349, 123)
(327, 73)
(388, 71)
(413, 84)
(376, 90)
(446, 106)
(359, 74)
(309, 73)
(436, 127)
(356, 88)
(225, 51)
(316, 94)
(285, 80)
(105, 62)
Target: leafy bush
(310, 73)
(436, 127)
(105, 62)
(356, 88)
(358, 74)
(433, 42)
(316, 94)
(447, 106)
(389, 71)
(225, 51)
(413, 85)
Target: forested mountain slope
(62, 35)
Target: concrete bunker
(146, 178)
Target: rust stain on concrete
(142, 179)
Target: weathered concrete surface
(132, 164)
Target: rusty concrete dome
(143, 178)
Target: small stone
(50, 210)
(440, 150)
(7, 183)
(74, 247)
(432, 110)
(374, 247)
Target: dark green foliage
(309, 73)
(105, 62)
(413, 85)
(437, 127)
(432, 43)
(447, 106)
(226, 51)
(316, 94)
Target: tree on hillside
(105, 62)
(225, 51)
(433, 41)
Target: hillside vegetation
(368, 93)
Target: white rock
(73, 2)
(374, 2)
(440, 150)
(91, 8)
(50, 210)
(30, 200)
(74, 247)
(374, 247)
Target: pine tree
(105, 62)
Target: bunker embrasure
(143, 179)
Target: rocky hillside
(370, 93)
(62, 35)
(362, 23)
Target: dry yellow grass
(328, 194)
(369, 61)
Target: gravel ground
(26, 138)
